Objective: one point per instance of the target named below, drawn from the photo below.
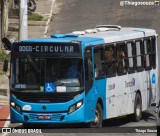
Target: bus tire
(137, 108)
(98, 118)
(31, 5)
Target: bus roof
(66, 39)
(106, 36)
(122, 34)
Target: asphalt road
(83, 14)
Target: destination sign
(47, 48)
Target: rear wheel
(138, 108)
(97, 123)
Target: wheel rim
(97, 117)
(138, 111)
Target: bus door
(149, 62)
(136, 73)
(147, 70)
(116, 72)
(99, 76)
(90, 99)
(111, 81)
(123, 82)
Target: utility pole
(4, 18)
(23, 20)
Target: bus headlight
(72, 109)
(13, 104)
(16, 107)
(75, 106)
(79, 104)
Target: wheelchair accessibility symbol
(49, 87)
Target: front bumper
(26, 117)
(58, 112)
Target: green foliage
(4, 56)
(35, 18)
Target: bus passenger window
(147, 54)
(88, 69)
(153, 52)
(130, 51)
(88, 65)
(139, 54)
(110, 60)
(98, 61)
(108, 54)
(122, 59)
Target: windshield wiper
(33, 64)
(57, 65)
(60, 61)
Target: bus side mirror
(7, 43)
(5, 65)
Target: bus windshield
(33, 73)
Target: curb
(7, 123)
(36, 23)
(14, 25)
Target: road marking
(49, 18)
(7, 123)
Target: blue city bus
(84, 77)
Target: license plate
(44, 117)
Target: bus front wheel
(97, 123)
(137, 108)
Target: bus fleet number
(25, 48)
(20, 86)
